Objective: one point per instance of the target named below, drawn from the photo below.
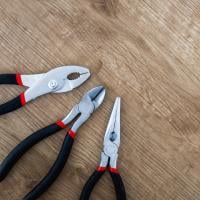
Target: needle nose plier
(109, 157)
(80, 114)
(55, 81)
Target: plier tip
(113, 129)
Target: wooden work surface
(147, 52)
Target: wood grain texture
(147, 52)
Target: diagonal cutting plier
(80, 114)
(54, 81)
(109, 157)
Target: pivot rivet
(52, 84)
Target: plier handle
(109, 158)
(80, 113)
(55, 81)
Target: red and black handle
(55, 170)
(89, 186)
(96, 176)
(119, 186)
(12, 79)
(18, 101)
(25, 145)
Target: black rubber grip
(8, 79)
(11, 105)
(24, 146)
(119, 186)
(54, 172)
(89, 186)
(15, 103)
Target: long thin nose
(113, 129)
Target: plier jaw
(55, 81)
(69, 84)
(88, 104)
(62, 73)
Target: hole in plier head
(73, 76)
(113, 136)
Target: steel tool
(55, 81)
(109, 157)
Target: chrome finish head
(113, 129)
(64, 73)
(55, 81)
(88, 104)
(112, 137)
(95, 95)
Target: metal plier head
(56, 81)
(88, 104)
(111, 144)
